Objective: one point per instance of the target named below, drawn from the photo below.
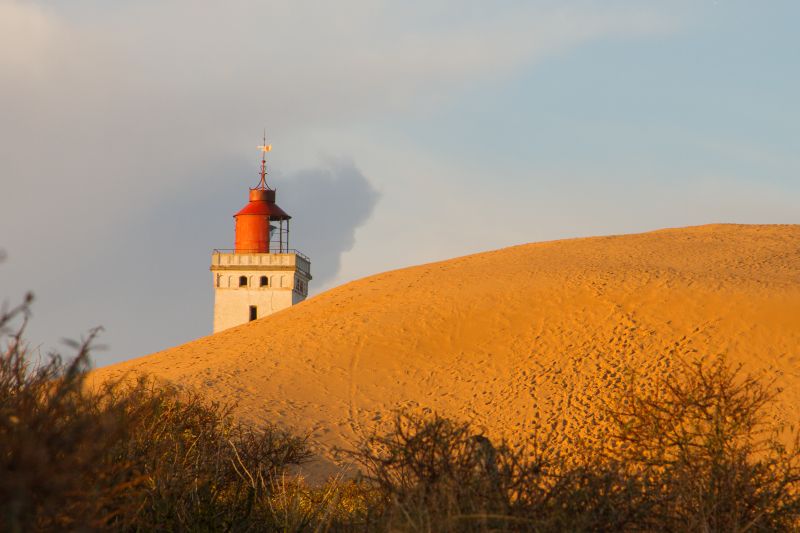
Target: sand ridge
(515, 340)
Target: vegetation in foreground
(696, 455)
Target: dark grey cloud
(327, 205)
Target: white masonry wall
(287, 284)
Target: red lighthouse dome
(254, 223)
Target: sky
(403, 132)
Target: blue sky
(403, 132)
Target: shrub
(695, 453)
(135, 456)
(698, 453)
(434, 474)
(716, 460)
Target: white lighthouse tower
(261, 275)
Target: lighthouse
(261, 274)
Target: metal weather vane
(264, 149)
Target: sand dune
(514, 340)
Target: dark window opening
(243, 281)
(253, 312)
(264, 281)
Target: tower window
(264, 281)
(243, 281)
(253, 312)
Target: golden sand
(532, 336)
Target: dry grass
(714, 460)
(694, 453)
(140, 456)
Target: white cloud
(134, 96)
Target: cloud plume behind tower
(328, 205)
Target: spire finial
(264, 149)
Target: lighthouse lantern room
(261, 274)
